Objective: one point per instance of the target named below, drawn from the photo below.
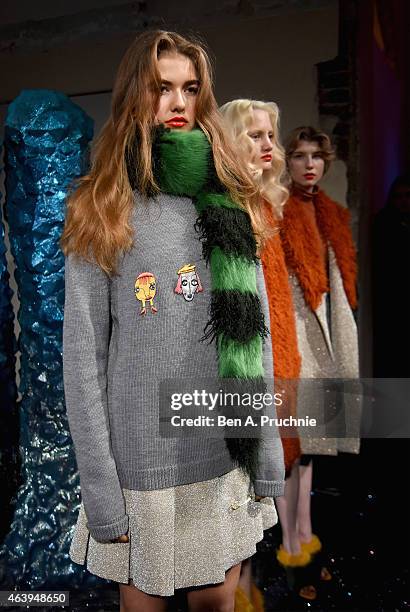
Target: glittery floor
(360, 511)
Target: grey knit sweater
(115, 357)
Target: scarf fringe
(229, 307)
(228, 228)
(245, 452)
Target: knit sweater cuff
(269, 488)
(105, 533)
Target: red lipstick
(309, 176)
(267, 157)
(176, 122)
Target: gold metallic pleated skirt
(180, 537)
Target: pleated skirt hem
(181, 537)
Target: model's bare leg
(304, 520)
(245, 579)
(134, 600)
(287, 506)
(218, 598)
(304, 512)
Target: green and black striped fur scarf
(183, 166)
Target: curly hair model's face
(261, 134)
(179, 90)
(306, 164)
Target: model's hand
(258, 498)
(122, 538)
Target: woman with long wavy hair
(162, 286)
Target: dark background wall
(260, 50)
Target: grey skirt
(180, 537)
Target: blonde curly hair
(238, 116)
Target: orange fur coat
(298, 246)
(286, 358)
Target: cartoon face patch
(188, 283)
(145, 289)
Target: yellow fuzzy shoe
(313, 546)
(288, 560)
(242, 603)
(295, 566)
(257, 599)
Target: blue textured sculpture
(46, 145)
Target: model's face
(306, 165)
(179, 90)
(261, 134)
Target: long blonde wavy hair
(99, 207)
(238, 116)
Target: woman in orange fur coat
(309, 264)
(321, 259)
